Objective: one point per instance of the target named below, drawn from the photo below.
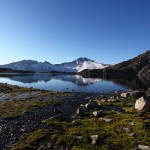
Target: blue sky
(107, 31)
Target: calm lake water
(61, 82)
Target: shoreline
(31, 115)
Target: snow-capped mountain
(74, 66)
(30, 65)
(79, 65)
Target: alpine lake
(70, 83)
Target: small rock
(131, 134)
(124, 95)
(97, 113)
(126, 129)
(103, 100)
(112, 100)
(49, 145)
(23, 112)
(112, 97)
(81, 110)
(131, 123)
(134, 148)
(23, 130)
(78, 137)
(143, 147)
(41, 147)
(142, 104)
(87, 98)
(105, 119)
(94, 139)
(92, 104)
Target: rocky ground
(38, 119)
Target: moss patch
(11, 109)
(31, 140)
(113, 135)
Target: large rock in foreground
(142, 104)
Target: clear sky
(107, 31)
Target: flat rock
(105, 119)
(112, 100)
(131, 134)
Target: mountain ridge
(73, 66)
(137, 67)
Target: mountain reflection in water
(33, 78)
(58, 82)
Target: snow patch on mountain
(90, 65)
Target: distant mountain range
(74, 66)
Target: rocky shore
(39, 119)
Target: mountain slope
(138, 66)
(74, 66)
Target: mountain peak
(83, 59)
(46, 62)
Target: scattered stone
(137, 94)
(142, 104)
(16, 129)
(143, 147)
(94, 139)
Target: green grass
(11, 109)
(31, 140)
(112, 136)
